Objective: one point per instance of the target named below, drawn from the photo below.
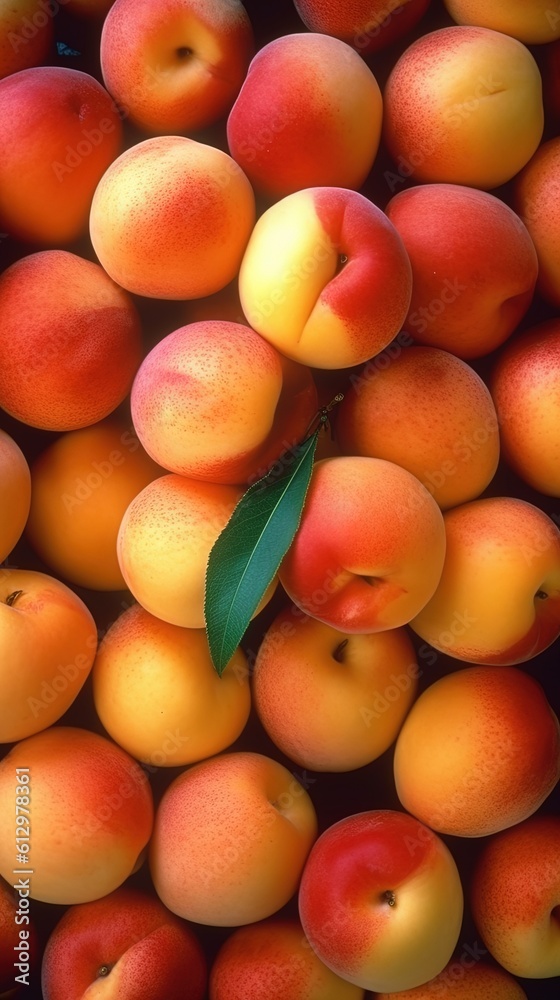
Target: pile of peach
(227, 215)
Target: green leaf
(246, 555)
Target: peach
(26, 35)
(273, 958)
(367, 25)
(474, 266)
(369, 551)
(452, 443)
(326, 278)
(48, 641)
(381, 901)
(63, 319)
(498, 599)
(515, 897)
(532, 23)
(92, 814)
(468, 979)
(536, 197)
(330, 701)
(59, 132)
(164, 542)
(198, 423)
(15, 493)
(463, 105)
(478, 751)
(171, 217)
(82, 485)
(158, 695)
(230, 840)
(524, 387)
(176, 66)
(19, 944)
(125, 946)
(308, 114)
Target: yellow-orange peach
(463, 105)
(158, 695)
(474, 266)
(308, 114)
(92, 813)
(71, 341)
(536, 197)
(478, 752)
(59, 130)
(468, 978)
(231, 836)
(367, 25)
(15, 493)
(429, 412)
(198, 423)
(326, 278)
(82, 484)
(532, 23)
(171, 217)
(369, 551)
(329, 701)
(26, 34)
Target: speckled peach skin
(59, 132)
(467, 978)
(429, 412)
(478, 751)
(449, 118)
(71, 341)
(309, 113)
(15, 493)
(92, 813)
(533, 23)
(367, 25)
(230, 839)
(171, 217)
(18, 50)
(515, 896)
(177, 66)
(536, 196)
(474, 266)
(148, 951)
(273, 958)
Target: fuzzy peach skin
(82, 484)
(122, 947)
(478, 751)
(308, 114)
(71, 341)
(381, 901)
(59, 131)
(498, 599)
(15, 493)
(369, 551)
(230, 839)
(215, 401)
(367, 25)
(92, 813)
(326, 278)
(48, 641)
(532, 23)
(330, 701)
(176, 66)
(536, 197)
(164, 542)
(524, 386)
(158, 695)
(515, 897)
(26, 34)
(171, 217)
(273, 958)
(17, 931)
(448, 438)
(466, 979)
(474, 266)
(463, 105)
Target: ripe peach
(71, 341)
(478, 751)
(536, 195)
(367, 25)
(463, 105)
(171, 217)
(82, 484)
(19, 942)
(26, 34)
(467, 979)
(195, 422)
(230, 839)
(15, 493)
(532, 23)
(474, 266)
(308, 114)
